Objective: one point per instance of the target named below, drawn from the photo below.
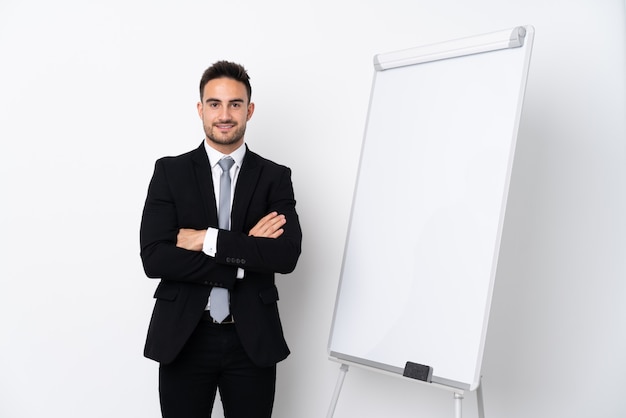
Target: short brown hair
(229, 70)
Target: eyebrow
(211, 99)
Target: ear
(250, 111)
(199, 105)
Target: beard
(214, 135)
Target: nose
(224, 114)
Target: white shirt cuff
(210, 242)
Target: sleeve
(209, 247)
(160, 256)
(279, 255)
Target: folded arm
(270, 226)
(160, 255)
(271, 244)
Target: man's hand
(190, 239)
(270, 226)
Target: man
(200, 351)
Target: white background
(91, 93)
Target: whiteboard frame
(517, 37)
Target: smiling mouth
(225, 125)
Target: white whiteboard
(429, 205)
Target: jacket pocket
(269, 295)
(166, 292)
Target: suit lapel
(246, 184)
(202, 170)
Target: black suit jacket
(181, 195)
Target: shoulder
(198, 154)
(254, 159)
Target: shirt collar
(214, 155)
